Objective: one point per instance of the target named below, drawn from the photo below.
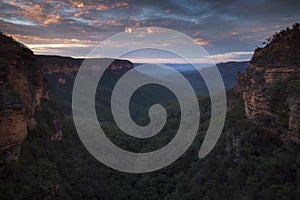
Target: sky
(229, 30)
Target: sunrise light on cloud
(73, 28)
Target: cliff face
(270, 86)
(65, 68)
(68, 65)
(58, 64)
(22, 88)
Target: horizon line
(157, 60)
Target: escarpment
(270, 87)
(69, 65)
(22, 88)
(63, 69)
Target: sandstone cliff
(65, 68)
(22, 88)
(68, 65)
(270, 87)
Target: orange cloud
(35, 12)
(78, 4)
(102, 7)
(89, 5)
(77, 15)
(80, 13)
(201, 41)
(39, 13)
(128, 29)
(53, 19)
(120, 4)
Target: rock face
(22, 88)
(66, 67)
(270, 86)
(58, 64)
(69, 66)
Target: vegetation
(282, 49)
(280, 91)
(245, 164)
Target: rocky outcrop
(269, 108)
(69, 66)
(58, 64)
(13, 128)
(270, 90)
(61, 71)
(22, 88)
(272, 74)
(257, 89)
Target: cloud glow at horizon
(227, 30)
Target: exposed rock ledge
(255, 86)
(22, 87)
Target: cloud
(201, 42)
(35, 12)
(217, 58)
(42, 45)
(222, 26)
(232, 56)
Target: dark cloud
(225, 25)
